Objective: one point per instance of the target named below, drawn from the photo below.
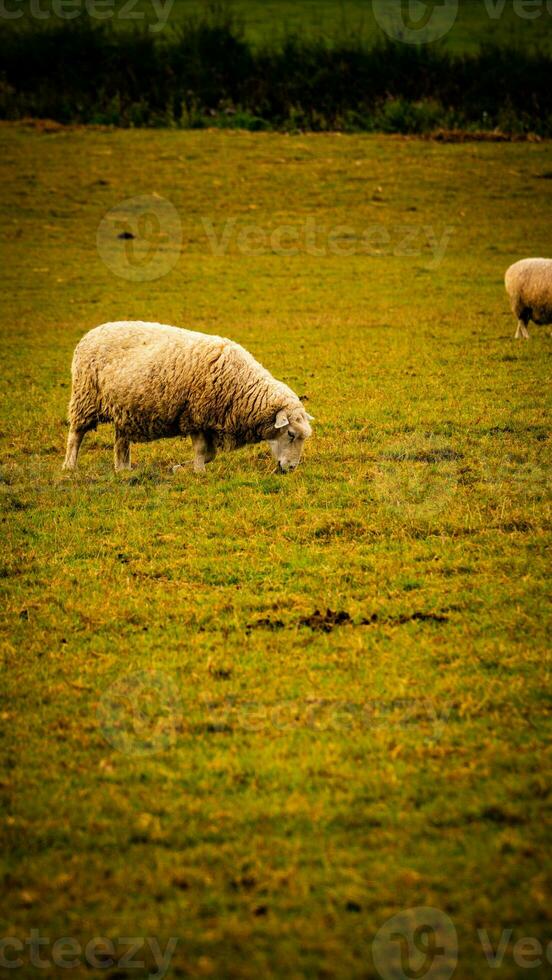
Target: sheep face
(291, 431)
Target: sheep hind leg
(74, 440)
(121, 452)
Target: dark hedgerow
(205, 73)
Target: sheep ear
(310, 417)
(281, 420)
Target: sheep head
(291, 429)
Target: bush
(205, 73)
(400, 116)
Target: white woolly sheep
(529, 286)
(155, 381)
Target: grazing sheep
(529, 286)
(154, 381)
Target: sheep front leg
(522, 331)
(523, 314)
(204, 451)
(74, 440)
(121, 452)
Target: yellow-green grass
(307, 784)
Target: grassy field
(259, 714)
(477, 21)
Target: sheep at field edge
(529, 286)
(155, 381)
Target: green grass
(263, 21)
(312, 776)
(334, 18)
